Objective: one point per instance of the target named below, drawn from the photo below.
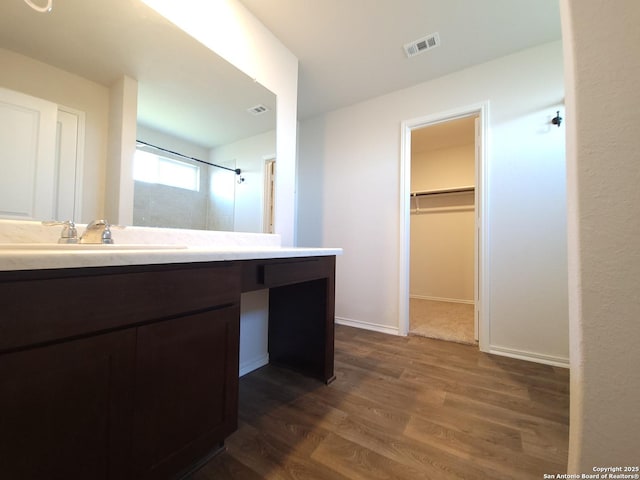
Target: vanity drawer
(278, 274)
(258, 274)
(47, 306)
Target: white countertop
(119, 255)
(30, 245)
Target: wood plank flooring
(400, 408)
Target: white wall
(442, 254)
(223, 197)
(603, 114)
(442, 228)
(444, 167)
(254, 328)
(249, 155)
(349, 197)
(121, 147)
(40, 80)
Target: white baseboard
(442, 299)
(530, 356)
(253, 364)
(376, 327)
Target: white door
(27, 156)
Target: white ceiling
(183, 87)
(349, 51)
(352, 50)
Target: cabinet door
(186, 390)
(65, 409)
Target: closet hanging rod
(456, 208)
(237, 171)
(468, 188)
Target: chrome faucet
(98, 231)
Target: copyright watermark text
(600, 473)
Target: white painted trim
(530, 356)
(268, 191)
(376, 327)
(78, 181)
(405, 227)
(442, 299)
(482, 188)
(253, 364)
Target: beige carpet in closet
(442, 320)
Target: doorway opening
(442, 265)
(442, 250)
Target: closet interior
(443, 245)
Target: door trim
(269, 194)
(481, 199)
(69, 190)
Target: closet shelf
(442, 191)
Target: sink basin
(54, 247)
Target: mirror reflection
(189, 101)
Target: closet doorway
(442, 161)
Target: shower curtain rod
(237, 171)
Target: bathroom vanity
(125, 366)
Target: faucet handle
(69, 232)
(106, 234)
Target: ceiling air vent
(257, 110)
(422, 44)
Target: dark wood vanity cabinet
(186, 390)
(65, 409)
(301, 311)
(117, 373)
(131, 373)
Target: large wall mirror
(190, 102)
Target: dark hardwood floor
(400, 408)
